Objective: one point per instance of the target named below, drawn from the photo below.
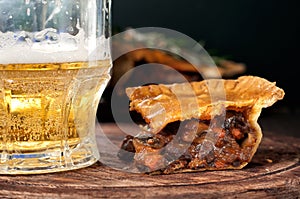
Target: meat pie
(196, 126)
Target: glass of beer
(55, 63)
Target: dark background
(263, 34)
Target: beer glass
(55, 63)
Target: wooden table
(273, 173)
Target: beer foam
(23, 48)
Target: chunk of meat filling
(209, 144)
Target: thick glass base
(48, 161)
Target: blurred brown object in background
(133, 48)
(227, 68)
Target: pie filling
(224, 142)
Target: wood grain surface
(274, 172)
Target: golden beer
(48, 114)
(55, 63)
